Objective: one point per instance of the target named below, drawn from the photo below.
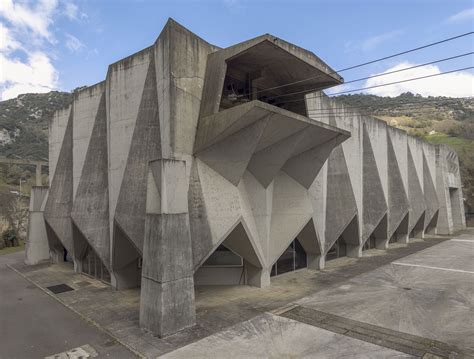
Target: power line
(377, 86)
(378, 75)
(394, 104)
(370, 62)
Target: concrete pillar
(316, 261)
(36, 246)
(167, 292)
(257, 277)
(39, 180)
(402, 238)
(381, 243)
(353, 251)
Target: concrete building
(191, 164)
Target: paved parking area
(414, 297)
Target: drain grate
(60, 288)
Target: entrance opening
(93, 266)
(58, 252)
(293, 258)
(223, 267)
(127, 261)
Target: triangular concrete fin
(397, 198)
(374, 206)
(58, 206)
(231, 156)
(415, 193)
(431, 197)
(341, 203)
(266, 163)
(90, 211)
(304, 167)
(145, 146)
(308, 238)
(239, 242)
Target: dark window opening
(337, 250)
(369, 243)
(93, 266)
(293, 258)
(223, 256)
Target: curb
(86, 319)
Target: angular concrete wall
(153, 173)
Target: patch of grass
(8, 250)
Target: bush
(10, 238)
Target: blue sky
(64, 44)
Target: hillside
(24, 127)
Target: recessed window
(223, 257)
(293, 258)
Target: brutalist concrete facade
(186, 146)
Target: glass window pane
(300, 256)
(223, 257)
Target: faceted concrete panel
(341, 203)
(90, 211)
(377, 133)
(305, 167)
(214, 211)
(239, 242)
(415, 193)
(398, 204)
(374, 206)
(125, 83)
(265, 164)
(86, 105)
(291, 211)
(58, 206)
(144, 147)
(230, 157)
(57, 128)
(399, 141)
(431, 198)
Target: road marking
(463, 240)
(430, 267)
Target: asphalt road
(35, 325)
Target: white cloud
(74, 44)
(36, 74)
(72, 12)
(36, 19)
(456, 84)
(7, 41)
(374, 41)
(461, 16)
(27, 40)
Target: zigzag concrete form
(182, 168)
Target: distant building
(192, 164)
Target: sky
(64, 44)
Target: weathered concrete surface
(36, 246)
(263, 165)
(167, 293)
(269, 336)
